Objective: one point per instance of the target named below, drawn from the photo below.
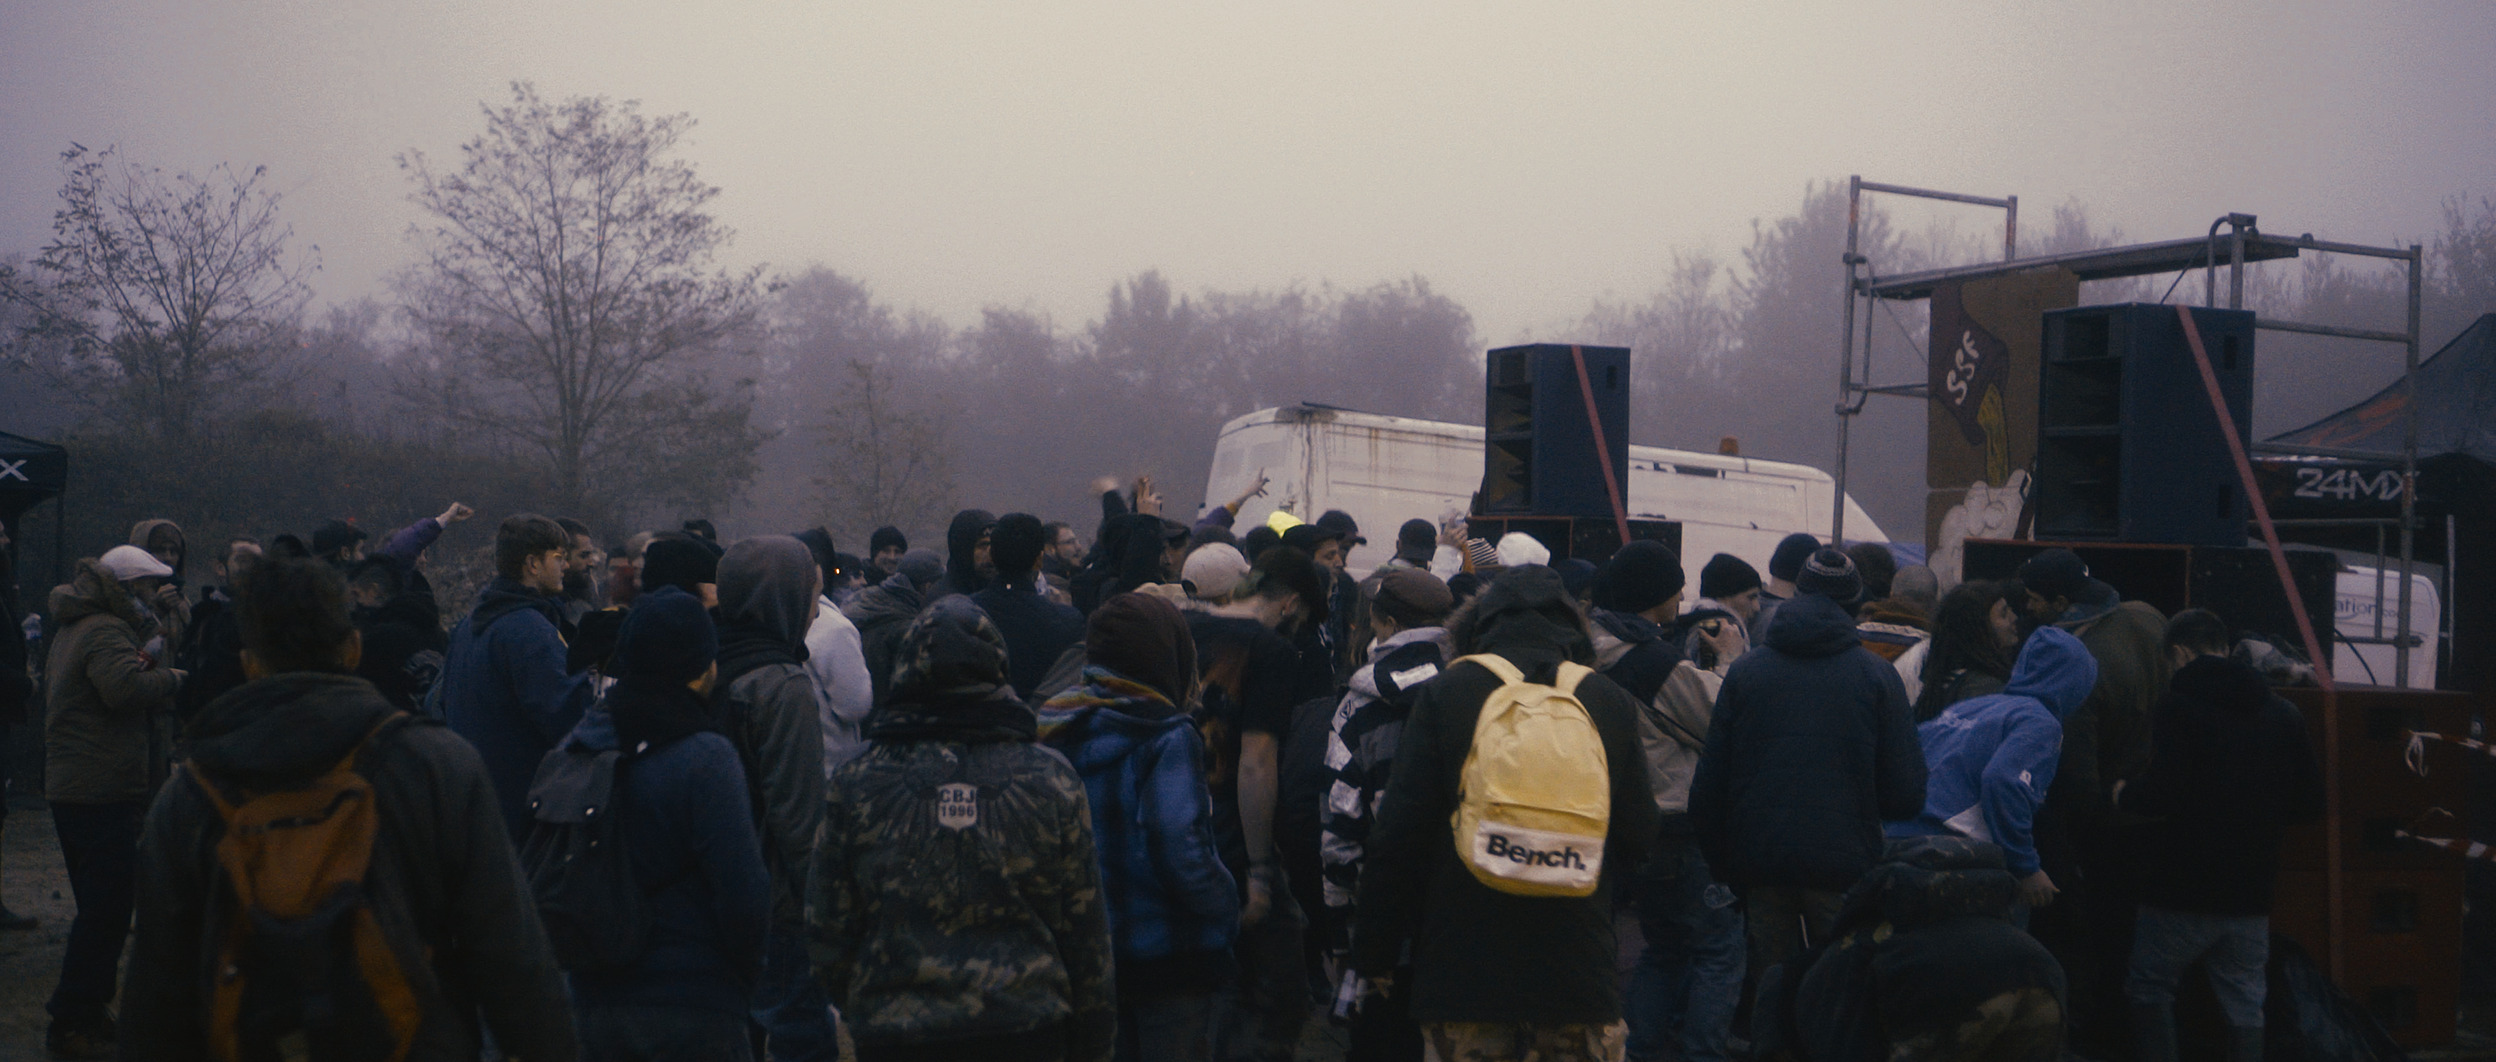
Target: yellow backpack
(1535, 799)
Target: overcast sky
(1525, 157)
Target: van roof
(1307, 412)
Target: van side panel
(1386, 470)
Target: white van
(1386, 470)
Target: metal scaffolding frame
(2242, 244)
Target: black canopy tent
(2340, 500)
(32, 472)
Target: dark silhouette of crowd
(1184, 792)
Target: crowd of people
(1174, 794)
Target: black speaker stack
(1555, 421)
(2128, 449)
(1541, 454)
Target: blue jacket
(1989, 760)
(505, 689)
(1173, 907)
(689, 822)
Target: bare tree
(2462, 284)
(886, 459)
(568, 296)
(163, 299)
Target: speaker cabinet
(2401, 901)
(2237, 582)
(2127, 446)
(1584, 538)
(1541, 456)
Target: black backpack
(580, 870)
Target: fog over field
(943, 255)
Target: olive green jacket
(108, 719)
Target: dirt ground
(32, 882)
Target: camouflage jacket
(956, 895)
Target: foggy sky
(1524, 157)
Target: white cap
(125, 563)
(1215, 569)
(1518, 548)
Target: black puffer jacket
(1812, 747)
(2230, 771)
(443, 863)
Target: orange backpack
(303, 968)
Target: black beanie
(1642, 575)
(666, 637)
(683, 563)
(1787, 562)
(1725, 576)
(1831, 574)
(886, 538)
(2057, 572)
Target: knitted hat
(666, 637)
(1214, 570)
(125, 563)
(1725, 576)
(1411, 597)
(1640, 576)
(1787, 562)
(1831, 574)
(683, 563)
(1146, 639)
(1516, 549)
(886, 538)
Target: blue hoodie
(1989, 760)
(1173, 908)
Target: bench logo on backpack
(957, 806)
(1537, 856)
